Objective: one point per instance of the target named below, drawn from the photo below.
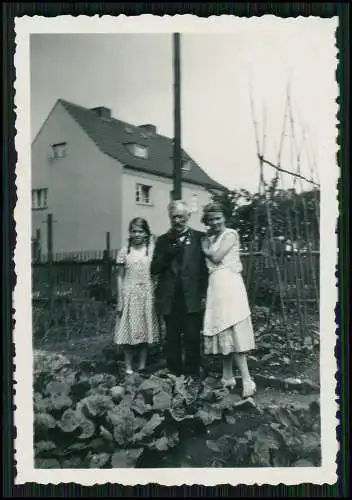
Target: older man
(179, 264)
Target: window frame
(41, 199)
(186, 165)
(140, 197)
(59, 146)
(142, 148)
(134, 147)
(194, 203)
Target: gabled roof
(111, 136)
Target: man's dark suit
(182, 283)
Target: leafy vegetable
(96, 406)
(124, 459)
(117, 393)
(98, 460)
(42, 447)
(60, 402)
(148, 429)
(44, 422)
(88, 429)
(47, 463)
(70, 421)
(161, 401)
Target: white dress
(139, 322)
(227, 320)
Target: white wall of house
(84, 187)
(156, 211)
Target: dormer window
(138, 150)
(59, 150)
(186, 164)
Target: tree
(295, 216)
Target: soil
(100, 350)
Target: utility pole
(50, 247)
(177, 152)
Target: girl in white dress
(228, 327)
(137, 323)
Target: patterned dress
(138, 323)
(227, 320)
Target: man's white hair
(183, 205)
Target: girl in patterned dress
(137, 322)
(227, 327)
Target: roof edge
(169, 176)
(58, 101)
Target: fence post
(108, 267)
(38, 245)
(49, 223)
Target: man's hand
(203, 303)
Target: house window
(39, 199)
(194, 203)
(186, 165)
(59, 150)
(143, 194)
(137, 150)
(140, 151)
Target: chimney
(102, 112)
(148, 129)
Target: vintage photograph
(179, 210)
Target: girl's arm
(120, 277)
(121, 258)
(228, 241)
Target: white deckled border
(326, 474)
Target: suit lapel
(173, 263)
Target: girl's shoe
(249, 389)
(129, 371)
(229, 383)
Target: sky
(132, 74)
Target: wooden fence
(93, 275)
(271, 276)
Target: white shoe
(229, 383)
(249, 389)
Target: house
(94, 173)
